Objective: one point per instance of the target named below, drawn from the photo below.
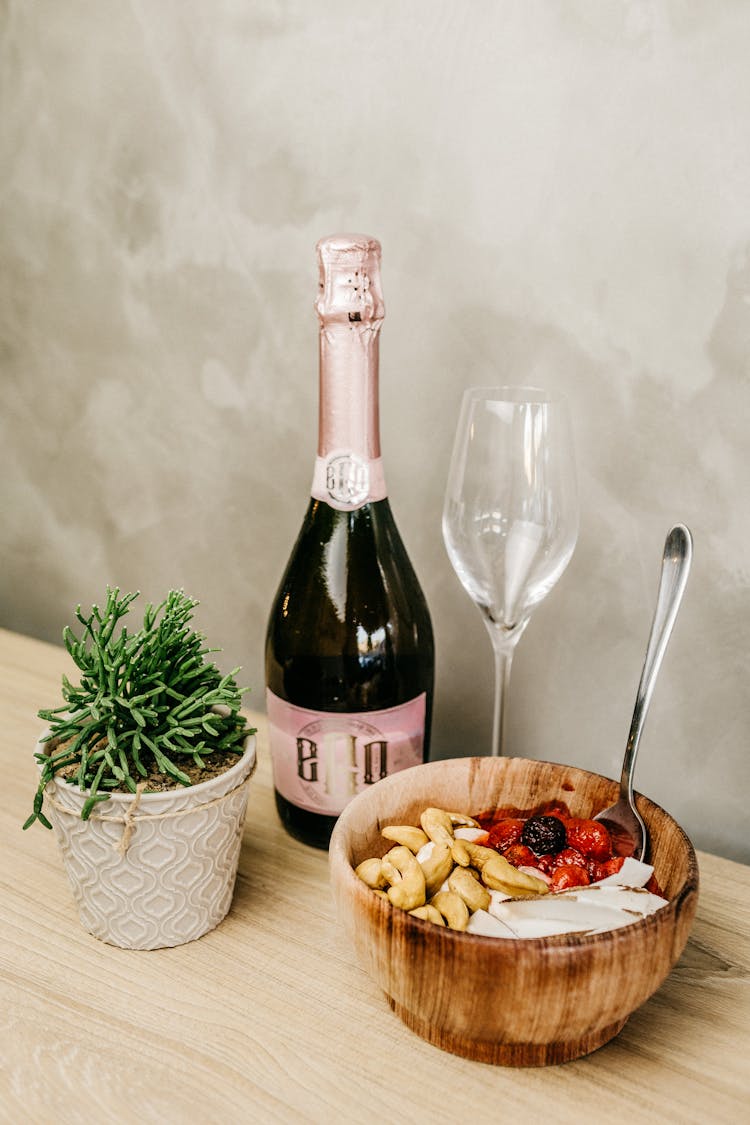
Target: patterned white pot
(158, 870)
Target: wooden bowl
(525, 1002)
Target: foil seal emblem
(347, 479)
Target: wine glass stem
(503, 661)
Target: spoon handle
(675, 567)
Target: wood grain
(515, 1003)
(269, 1018)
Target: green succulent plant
(145, 700)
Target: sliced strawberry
(520, 856)
(596, 870)
(504, 833)
(569, 875)
(611, 867)
(589, 837)
(568, 856)
(547, 862)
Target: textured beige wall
(561, 190)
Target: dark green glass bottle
(349, 645)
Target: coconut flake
(635, 900)
(482, 922)
(475, 835)
(538, 917)
(633, 873)
(537, 873)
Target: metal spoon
(678, 553)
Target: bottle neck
(348, 467)
(348, 414)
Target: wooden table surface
(268, 1018)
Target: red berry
(569, 875)
(546, 863)
(504, 833)
(596, 871)
(520, 856)
(544, 834)
(569, 855)
(611, 867)
(590, 837)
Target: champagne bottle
(349, 647)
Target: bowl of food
(487, 951)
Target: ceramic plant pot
(158, 870)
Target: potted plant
(143, 772)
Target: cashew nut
(407, 881)
(463, 882)
(453, 908)
(412, 838)
(499, 875)
(437, 867)
(429, 913)
(370, 871)
(438, 824)
(414, 885)
(466, 853)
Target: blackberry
(544, 835)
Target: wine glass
(510, 520)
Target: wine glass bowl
(510, 519)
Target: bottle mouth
(348, 246)
(349, 280)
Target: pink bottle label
(321, 760)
